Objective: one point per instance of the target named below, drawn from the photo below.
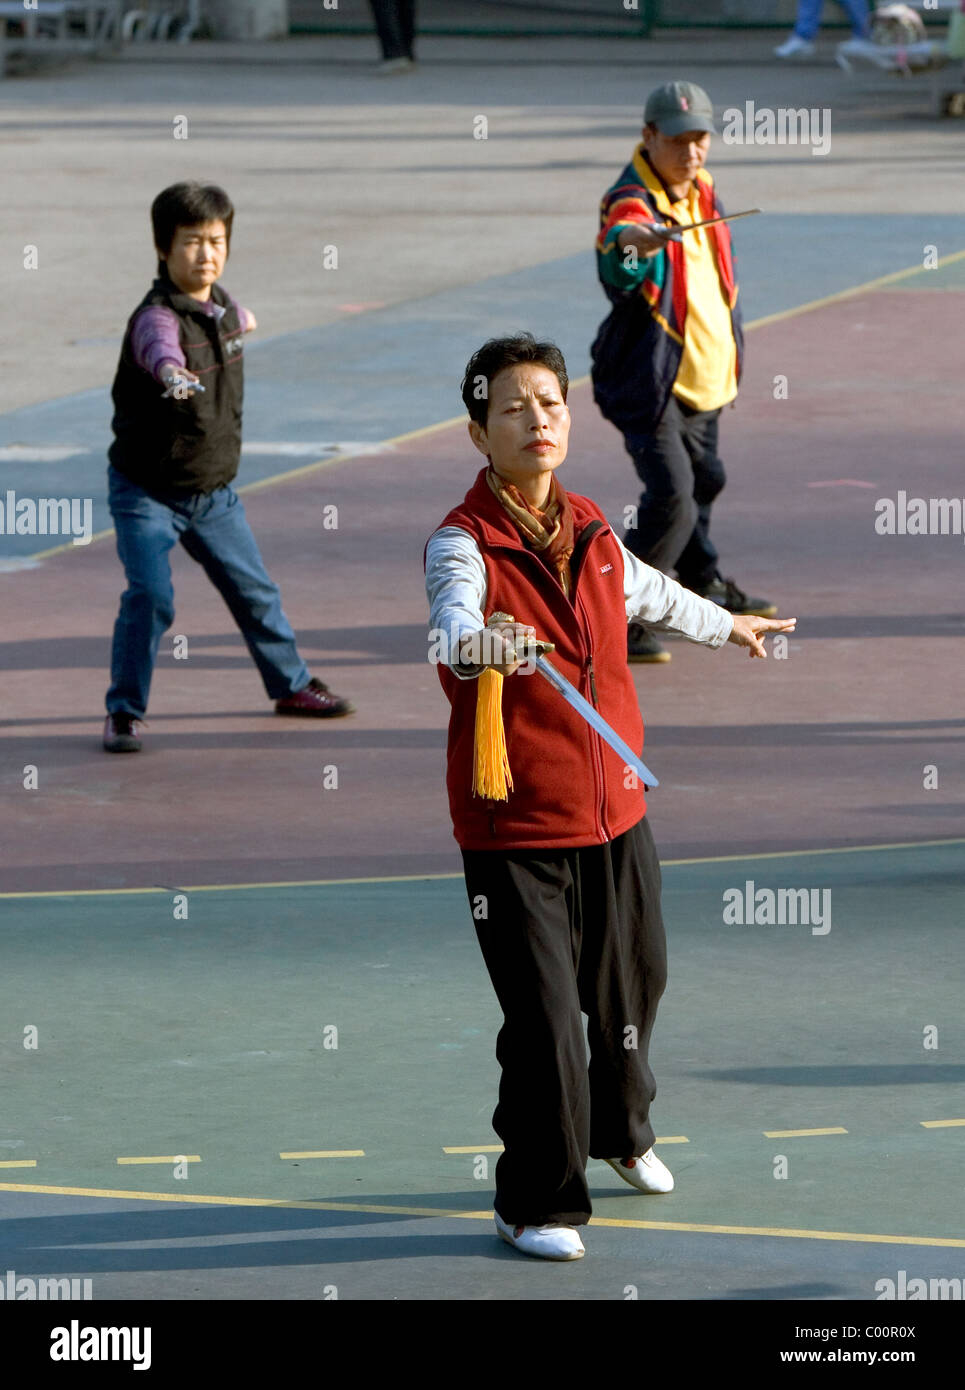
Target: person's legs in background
(808, 20)
(666, 512)
(684, 474)
(221, 541)
(395, 25)
(859, 15)
(146, 532)
(406, 9)
(801, 43)
(697, 563)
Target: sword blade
(595, 720)
(713, 221)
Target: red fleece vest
(569, 787)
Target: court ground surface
(290, 1090)
(248, 1039)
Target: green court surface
(332, 1045)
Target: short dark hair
(498, 353)
(188, 205)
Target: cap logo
(684, 104)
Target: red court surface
(824, 748)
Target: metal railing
(159, 20)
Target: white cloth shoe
(390, 66)
(795, 47)
(646, 1173)
(546, 1242)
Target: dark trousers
(678, 464)
(395, 22)
(569, 931)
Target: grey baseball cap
(679, 106)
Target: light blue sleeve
(659, 601)
(456, 589)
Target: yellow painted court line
(473, 1149)
(305, 468)
(288, 476)
(683, 1226)
(230, 887)
(789, 1233)
(325, 1153)
(835, 298)
(356, 454)
(173, 1158)
(849, 294)
(425, 430)
(60, 549)
(800, 1133)
(18, 1163)
(671, 1139)
(807, 853)
(201, 1200)
(941, 1124)
(431, 878)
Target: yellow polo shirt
(707, 377)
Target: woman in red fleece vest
(561, 871)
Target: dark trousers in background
(570, 931)
(682, 474)
(395, 23)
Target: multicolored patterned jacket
(637, 352)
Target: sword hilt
(526, 646)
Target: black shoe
(121, 733)
(729, 596)
(643, 646)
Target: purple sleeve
(155, 340)
(242, 313)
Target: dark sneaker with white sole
(730, 596)
(315, 700)
(121, 733)
(643, 646)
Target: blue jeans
(682, 474)
(214, 531)
(809, 17)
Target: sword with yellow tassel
(491, 775)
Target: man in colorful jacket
(561, 871)
(669, 356)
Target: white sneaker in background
(860, 48)
(795, 47)
(863, 49)
(393, 65)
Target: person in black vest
(177, 446)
